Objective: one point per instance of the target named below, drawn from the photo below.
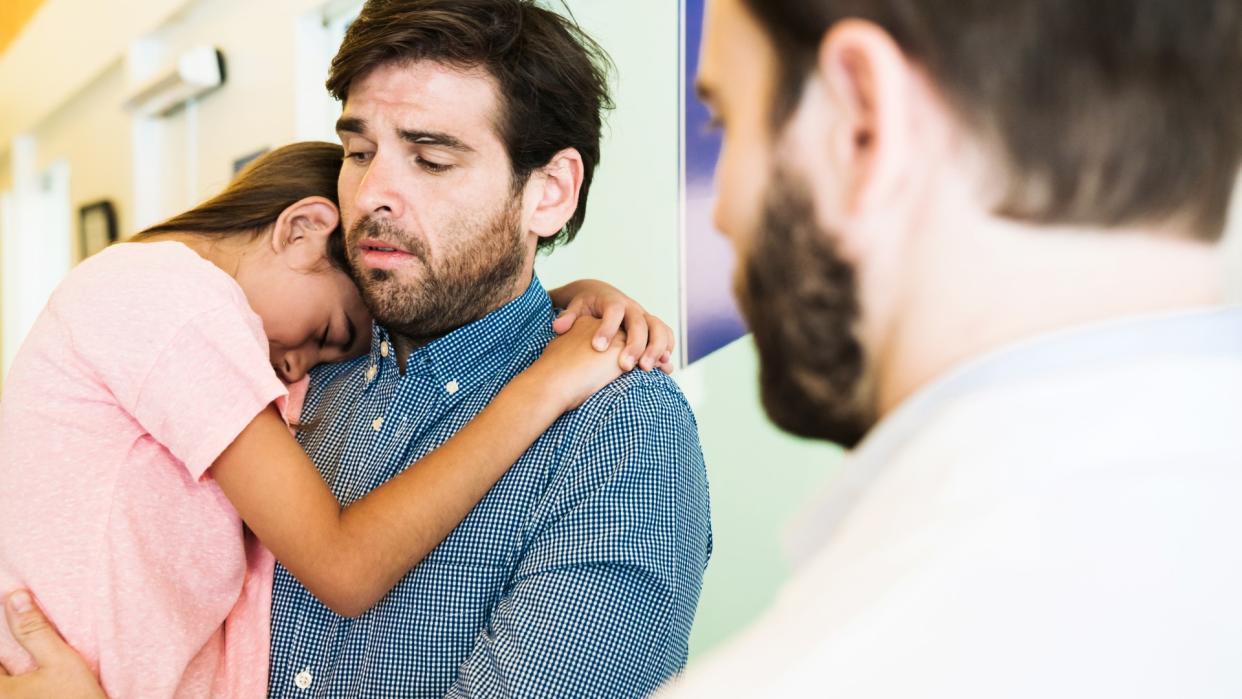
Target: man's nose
(379, 190)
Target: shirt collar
(1208, 332)
(466, 357)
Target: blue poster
(710, 316)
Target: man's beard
(472, 278)
(801, 302)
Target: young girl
(143, 431)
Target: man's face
(798, 294)
(432, 220)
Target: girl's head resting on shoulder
(276, 229)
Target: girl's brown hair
(266, 187)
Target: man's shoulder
(641, 417)
(632, 448)
(638, 393)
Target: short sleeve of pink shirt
(226, 363)
(146, 364)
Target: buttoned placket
(393, 408)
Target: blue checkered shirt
(576, 576)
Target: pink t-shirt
(143, 368)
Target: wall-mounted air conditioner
(195, 73)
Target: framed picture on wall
(96, 227)
(710, 315)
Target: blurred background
(115, 115)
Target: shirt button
(377, 424)
(371, 372)
(451, 387)
(303, 679)
(384, 348)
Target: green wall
(759, 476)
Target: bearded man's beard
(470, 280)
(800, 300)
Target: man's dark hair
(552, 77)
(1105, 112)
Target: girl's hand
(570, 370)
(650, 340)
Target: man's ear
(301, 231)
(552, 193)
(859, 100)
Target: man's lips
(380, 254)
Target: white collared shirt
(1058, 519)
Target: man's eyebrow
(434, 138)
(351, 125)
